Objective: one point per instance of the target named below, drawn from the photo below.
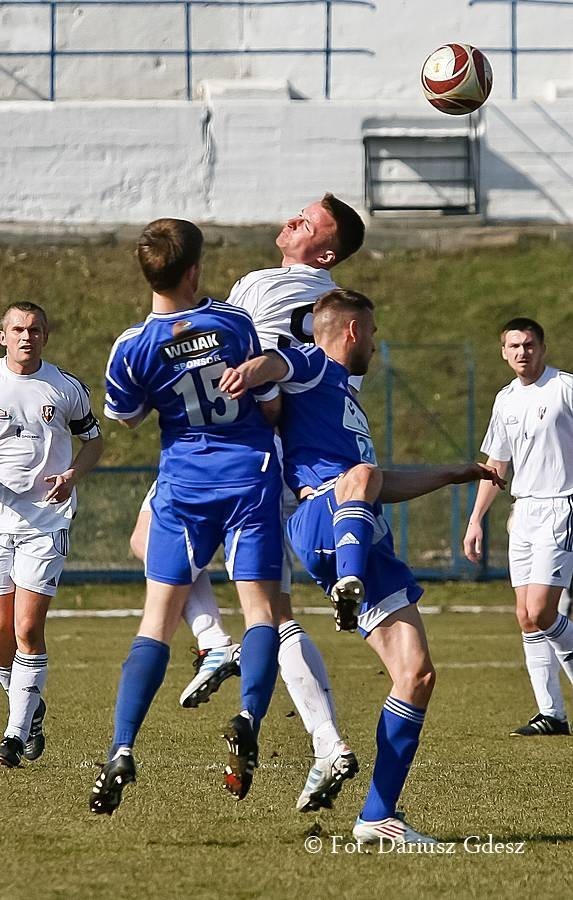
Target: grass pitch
(177, 833)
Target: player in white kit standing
(41, 407)
(532, 427)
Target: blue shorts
(389, 584)
(188, 526)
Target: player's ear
(328, 258)
(2, 338)
(503, 353)
(353, 329)
(193, 273)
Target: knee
(418, 684)
(524, 621)
(364, 480)
(30, 635)
(541, 619)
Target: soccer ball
(457, 79)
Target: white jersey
(280, 301)
(532, 425)
(38, 415)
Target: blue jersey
(173, 362)
(324, 430)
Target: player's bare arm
(136, 420)
(271, 410)
(487, 492)
(63, 484)
(270, 366)
(400, 486)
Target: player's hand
(473, 541)
(233, 383)
(479, 472)
(62, 487)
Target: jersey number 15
(204, 402)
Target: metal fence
(514, 49)
(428, 532)
(189, 52)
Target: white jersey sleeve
(495, 442)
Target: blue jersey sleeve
(124, 397)
(306, 368)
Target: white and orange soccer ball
(457, 79)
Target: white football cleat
(213, 668)
(325, 779)
(390, 829)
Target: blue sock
(397, 738)
(259, 668)
(142, 674)
(353, 524)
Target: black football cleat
(114, 776)
(243, 756)
(34, 746)
(11, 752)
(541, 725)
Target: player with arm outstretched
(339, 531)
(532, 427)
(43, 407)
(219, 482)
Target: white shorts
(33, 561)
(541, 542)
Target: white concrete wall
(252, 161)
(400, 34)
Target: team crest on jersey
(541, 411)
(189, 345)
(48, 413)
(180, 327)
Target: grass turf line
(177, 834)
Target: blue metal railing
(514, 49)
(326, 50)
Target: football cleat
(393, 828)
(213, 667)
(326, 777)
(542, 725)
(114, 776)
(346, 596)
(11, 752)
(34, 746)
(243, 756)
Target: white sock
(5, 673)
(560, 636)
(304, 675)
(201, 613)
(29, 674)
(543, 667)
